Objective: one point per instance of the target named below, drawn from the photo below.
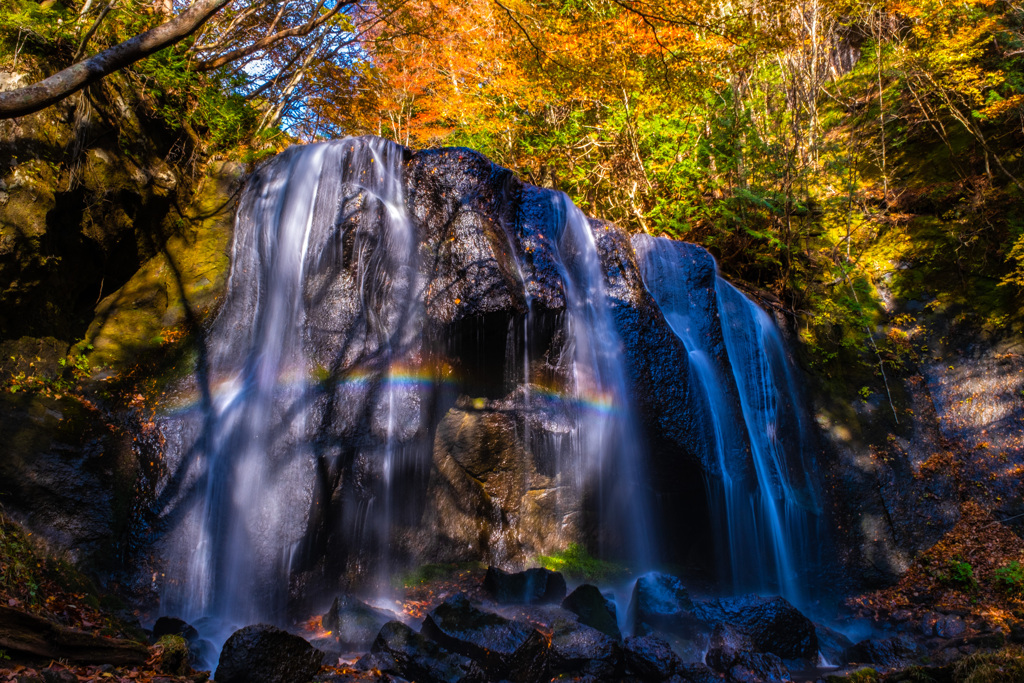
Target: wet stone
(661, 602)
(353, 623)
(54, 674)
(757, 667)
(505, 648)
(582, 650)
(173, 626)
(401, 651)
(772, 624)
(651, 658)
(889, 652)
(594, 610)
(267, 654)
(531, 587)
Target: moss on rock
(179, 285)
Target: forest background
(834, 156)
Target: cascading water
(607, 445)
(248, 460)
(304, 441)
(762, 499)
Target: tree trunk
(26, 633)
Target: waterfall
(302, 444)
(607, 444)
(761, 498)
(247, 456)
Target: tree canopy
(810, 145)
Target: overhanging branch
(49, 91)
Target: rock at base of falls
(772, 624)
(661, 602)
(890, 652)
(506, 649)
(353, 623)
(577, 649)
(594, 610)
(401, 651)
(651, 658)
(267, 654)
(732, 652)
(533, 586)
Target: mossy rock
(177, 287)
(865, 675)
(172, 655)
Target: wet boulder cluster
(531, 628)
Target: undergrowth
(1003, 666)
(576, 563)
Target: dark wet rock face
(530, 587)
(505, 648)
(661, 602)
(734, 653)
(651, 658)
(401, 651)
(353, 623)
(462, 204)
(173, 626)
(580, 650)
(68, 476)
(889, 652)
(267, 654)
(772, 624)
(594, 610)
(490, 495)
(832, 645)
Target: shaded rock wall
(896, 489)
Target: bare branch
(263, 43)
(92, 30)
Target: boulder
(890, 652)
(533, 586)
(173, 626)
(757, 667)
(732, 652)
(401, 651)
(725, 644)
(695, 672)
(353, 623)
(772, 624)
(661, 602)
(202, 652)
(594, 610)
(505, 648)
(950, 626)
(832, 645)
(172, 655)
(651, 658)
(579, 650)
(267, 654)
